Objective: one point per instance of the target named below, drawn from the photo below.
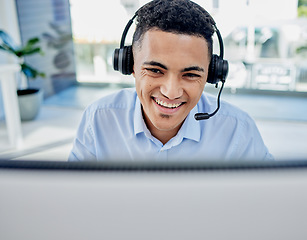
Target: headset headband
(217, 71)
(123, 57)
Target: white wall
(8, 23)
(237, 12)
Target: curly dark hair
(176, 16)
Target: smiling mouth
(167, 105)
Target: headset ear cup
(225, 68)
(128, 60)
(123, 60)
(115, 59)
(212, 78)
(218, 69)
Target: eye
(154, 70)
(191, 75)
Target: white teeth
(167, 105)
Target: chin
(166, 123)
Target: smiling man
(171, 54)
(170, 78)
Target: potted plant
(29, 99)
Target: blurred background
(265, 43)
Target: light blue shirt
(113, 128)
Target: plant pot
(29, 101)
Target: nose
(171, 87)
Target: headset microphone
(204, 116)
(218, 70)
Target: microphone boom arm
(204, 116)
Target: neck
(163, 135)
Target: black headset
(218, 67)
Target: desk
(10, 101)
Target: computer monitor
(138, 201)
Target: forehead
(172, 46)
(152, 32)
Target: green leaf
(30, 72)
(27, 51)
(33, 41)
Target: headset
(217, 71)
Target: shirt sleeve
(83, 146)
(252, 145)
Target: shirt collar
(139, 124)
(190, 128)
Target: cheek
(142, 85)
(195, 90)
(140, 77)
(141, 74)
(143, 81)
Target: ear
(133, 71)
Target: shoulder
(236, 131)
(208, 103)
(121, 99)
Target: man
(172, 50)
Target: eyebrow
(154, 63)
(187, 69)
(193, 68)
